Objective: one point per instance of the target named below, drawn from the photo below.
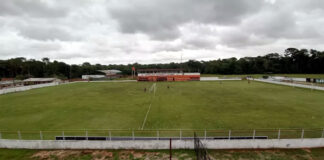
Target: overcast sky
(156, 31)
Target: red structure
(166, 75)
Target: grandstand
(166, 75)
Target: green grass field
(185, 105)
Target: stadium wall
(163, 144)
(25, 88)
(291, 84)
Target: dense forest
(292, 61)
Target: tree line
(292, 61)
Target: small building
(112, 74)
(288, 79)
(33, 81)
(166, 75)
(108, 74)
(10, 82)
(91, 77)
(315, 80)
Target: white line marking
(146, 116)
(152, 89)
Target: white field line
(153, 87)
(146, 116)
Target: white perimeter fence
(115, 135)
(291, 84)
(156, 144)
(160, 139)
(25, 88)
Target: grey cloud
(280, 21)
(35, 8)
(122, 31)
(169, 48)
(238, 37)
(304, 5)
(40, 29)
(160, 19)
(269, 23)
(45, 33)
(45, 47)
(201, 43)
(234, 37)
(68, 55)
(164, 34)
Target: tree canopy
(292, 61)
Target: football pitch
(175, 105)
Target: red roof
(7, 79)
(158, 70)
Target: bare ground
(273, 154)
(106, 155)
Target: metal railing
(161, 134)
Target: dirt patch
(105, 155)
(138, 155)
(307, 150)
(156, 155)
(101, 155)
(298, 154)
(68, 154)
(57, 154)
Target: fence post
(19, 135)
(229, 134)
(157, 135)
(133, 134)
(41, 135)
(279, 134)
(86, 132)
(110, 135)
(302, 134)
(63, 135)
(253, 134)
(205, 134)
(180, 134)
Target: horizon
(176, 62)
